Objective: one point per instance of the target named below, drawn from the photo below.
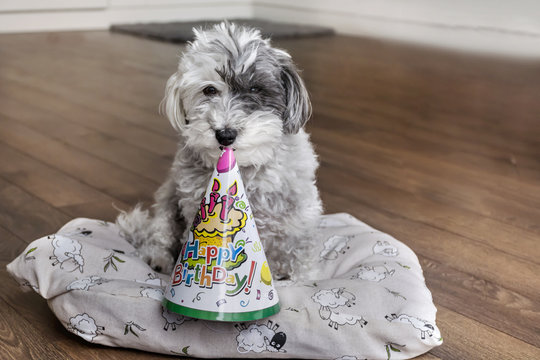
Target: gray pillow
(366, 298)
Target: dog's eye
(255, 89)
(210, 91)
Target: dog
(232, 88)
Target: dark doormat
(182, 31)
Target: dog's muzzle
(226, 136)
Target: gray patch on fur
(274, 77)
(298, 103)
(257, 87)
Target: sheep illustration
(152, 293)
(333, 246)
(422, 325)
(66, 250)
(85, 283)
(385, 249)
(373, 273)
(84, 326)
(259, 338)
(152, 279)
(172, 319)
(330, 300)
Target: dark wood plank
(50, 185)
(427, 84)
(98, 173)
(56, 188)
(464, 155)
(10, 244)
(14, 334)
(26, 216)
(92, 118)
(128, 157)
(114, 89)
(489, 303)
(468, 339)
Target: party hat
(222, 273)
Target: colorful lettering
(212, 270)
(218, 274)
(177, 275)
(206, 279)
(191, 249)
(239, 285)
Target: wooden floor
(439, 149)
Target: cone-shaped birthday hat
(222, 273)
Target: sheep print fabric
(366, 298)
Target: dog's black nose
(226, 136)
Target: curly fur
(260, 95)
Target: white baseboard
(49, 5)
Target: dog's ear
(172, 105)
(298, 109)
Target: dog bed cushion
(366, 298)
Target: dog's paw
(159, 259)
(162, 264)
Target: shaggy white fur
(230, 79)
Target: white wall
(57, 15)
(507, 27)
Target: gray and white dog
(233, 89)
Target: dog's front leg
(167, 228)
(156, 235)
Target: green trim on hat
(221, 316)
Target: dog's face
(233, 89)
